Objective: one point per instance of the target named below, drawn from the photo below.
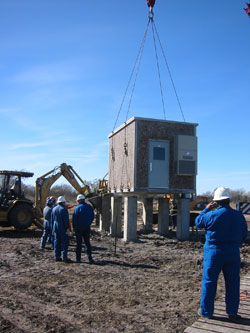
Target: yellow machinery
(15, 209)
(18, 211)
(44, 183)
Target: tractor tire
(21, 216)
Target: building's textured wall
(121, 166)
(157, 130)
(125, 170)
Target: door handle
(151, 167)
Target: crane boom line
(159, 73)
(138, 58)
(169, 72)
(137, 70)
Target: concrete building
(156, 156)
(149, 158)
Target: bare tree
(239, 195)
(63, 189)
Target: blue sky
(64, 67)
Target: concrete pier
(116, 216)
(183, 219)
(105, 214)
(163, 216)
(130, 218)
(147, 214)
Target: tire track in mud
(149, 286)
(78, 312)
(23, 312)
(18, 309)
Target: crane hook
(150, 4)
(247, 10)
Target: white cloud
(233, 180)
(29, 145)
(48, 73)
(21, 118)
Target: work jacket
(83, 215)
(224, 226)
(60, 218)
(47, 211)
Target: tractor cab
(15, 209)
(11, 186)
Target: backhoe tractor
(15, 209)
(20, 212)
(44, 183)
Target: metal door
(158, 175)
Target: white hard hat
(61, 199)
(80, 197)
(220, 194)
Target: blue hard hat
(49, 202)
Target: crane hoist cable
(134, 73)
(169, 72)
(158, 70)
(137, 60)
(136, 67)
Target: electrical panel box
(186, 155)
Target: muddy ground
(152, 285)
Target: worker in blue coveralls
(51, 236)
(226, 229)
(82, 219)
(47, 222)
(60, 222)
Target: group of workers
(56, 227)
(226, 229)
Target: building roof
(131, 120)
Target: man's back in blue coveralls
(226, 229)
(82, 218)
(60, 221)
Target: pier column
(147, 214)
(116, 216)
(163, 216)
(105, 215)
(183, 219)
(130, 218)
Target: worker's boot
(234, 318)
(67, 260)
(91, 260)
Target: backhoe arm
(69, 173)
(43, 185)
